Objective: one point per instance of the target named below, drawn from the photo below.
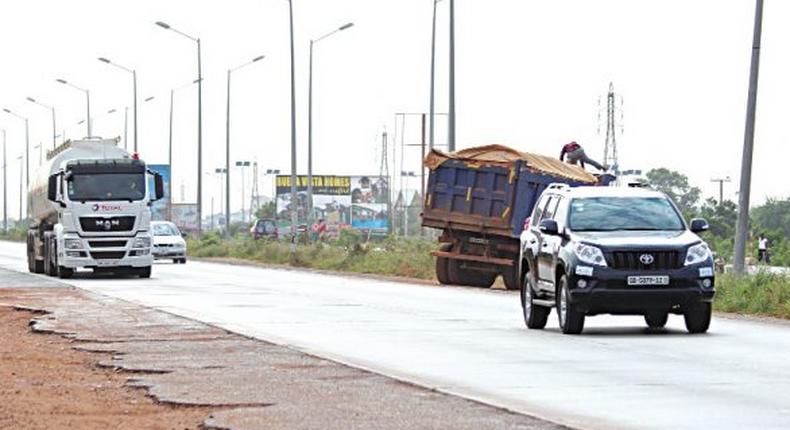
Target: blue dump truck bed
(480, 198)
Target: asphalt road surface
(473, 343)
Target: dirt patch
(46, 384)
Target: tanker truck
(89, 205)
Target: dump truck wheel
(441, 265)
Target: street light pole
(21, 159)
(199, 123)
(54, 125)
(27, 143)
(88, 104)
(310, 121)
(134, 91)
(294, 198)
(5, 186)
(451, 125)
(742, 227)
(227, 141)
(432, 107)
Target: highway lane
(473, 343)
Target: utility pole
(451, 125)
(610, 146)
(5, 186)
(742, 227)
(384, 172)
(721, 182)
(431, 106)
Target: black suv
(616, 250)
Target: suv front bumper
(607, 291)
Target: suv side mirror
(159, 187)
(549, 227)
(698, 225)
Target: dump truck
(90, 208)
(480, 198)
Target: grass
(760, 294)
(409, 258)
(14, 235)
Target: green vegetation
(349, 253)
(771, 219)
(761, 294)
(14, 234)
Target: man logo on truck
(107, 224)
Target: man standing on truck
(576, 154)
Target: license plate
(648, 280)
(107, 262)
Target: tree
(266, 211)
(676, 186)
(774, 215)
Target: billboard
(159, 208)
(185, 216)
(342, 201)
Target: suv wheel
(698, 318)
(656, 320)
(571, 320)
(535, 316)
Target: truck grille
(98, 224)
(630, 260)
(108, 255)
(107, 243)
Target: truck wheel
(38, 266)
(474, 278)
(571, 320)
(535, 316)
(441, 265)
(143, 272)
(65, 272)
(698, 318)
(511, 278)
(656, 320)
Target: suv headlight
(589, 254)
(698, 253)
(142, 242)
(72, 243)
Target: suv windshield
(164, 230)
(106, 186)
(623, 213)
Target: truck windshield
(623, 213)
(106, 186)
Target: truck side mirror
(52, 188)
(159, 187)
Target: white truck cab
(91, 210)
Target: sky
(529, 74)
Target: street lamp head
(163, 25)
(6, 110)
(32, 100)
(258, 58)
(149, 99)
(111, 111)
(62, 81)
(104, 60)
(346, 27)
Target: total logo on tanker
(107, 208)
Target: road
(472, 343)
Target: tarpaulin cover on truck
(500, 154)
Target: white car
(168, 242)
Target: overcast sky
(529, 75)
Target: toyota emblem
(646, 259)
